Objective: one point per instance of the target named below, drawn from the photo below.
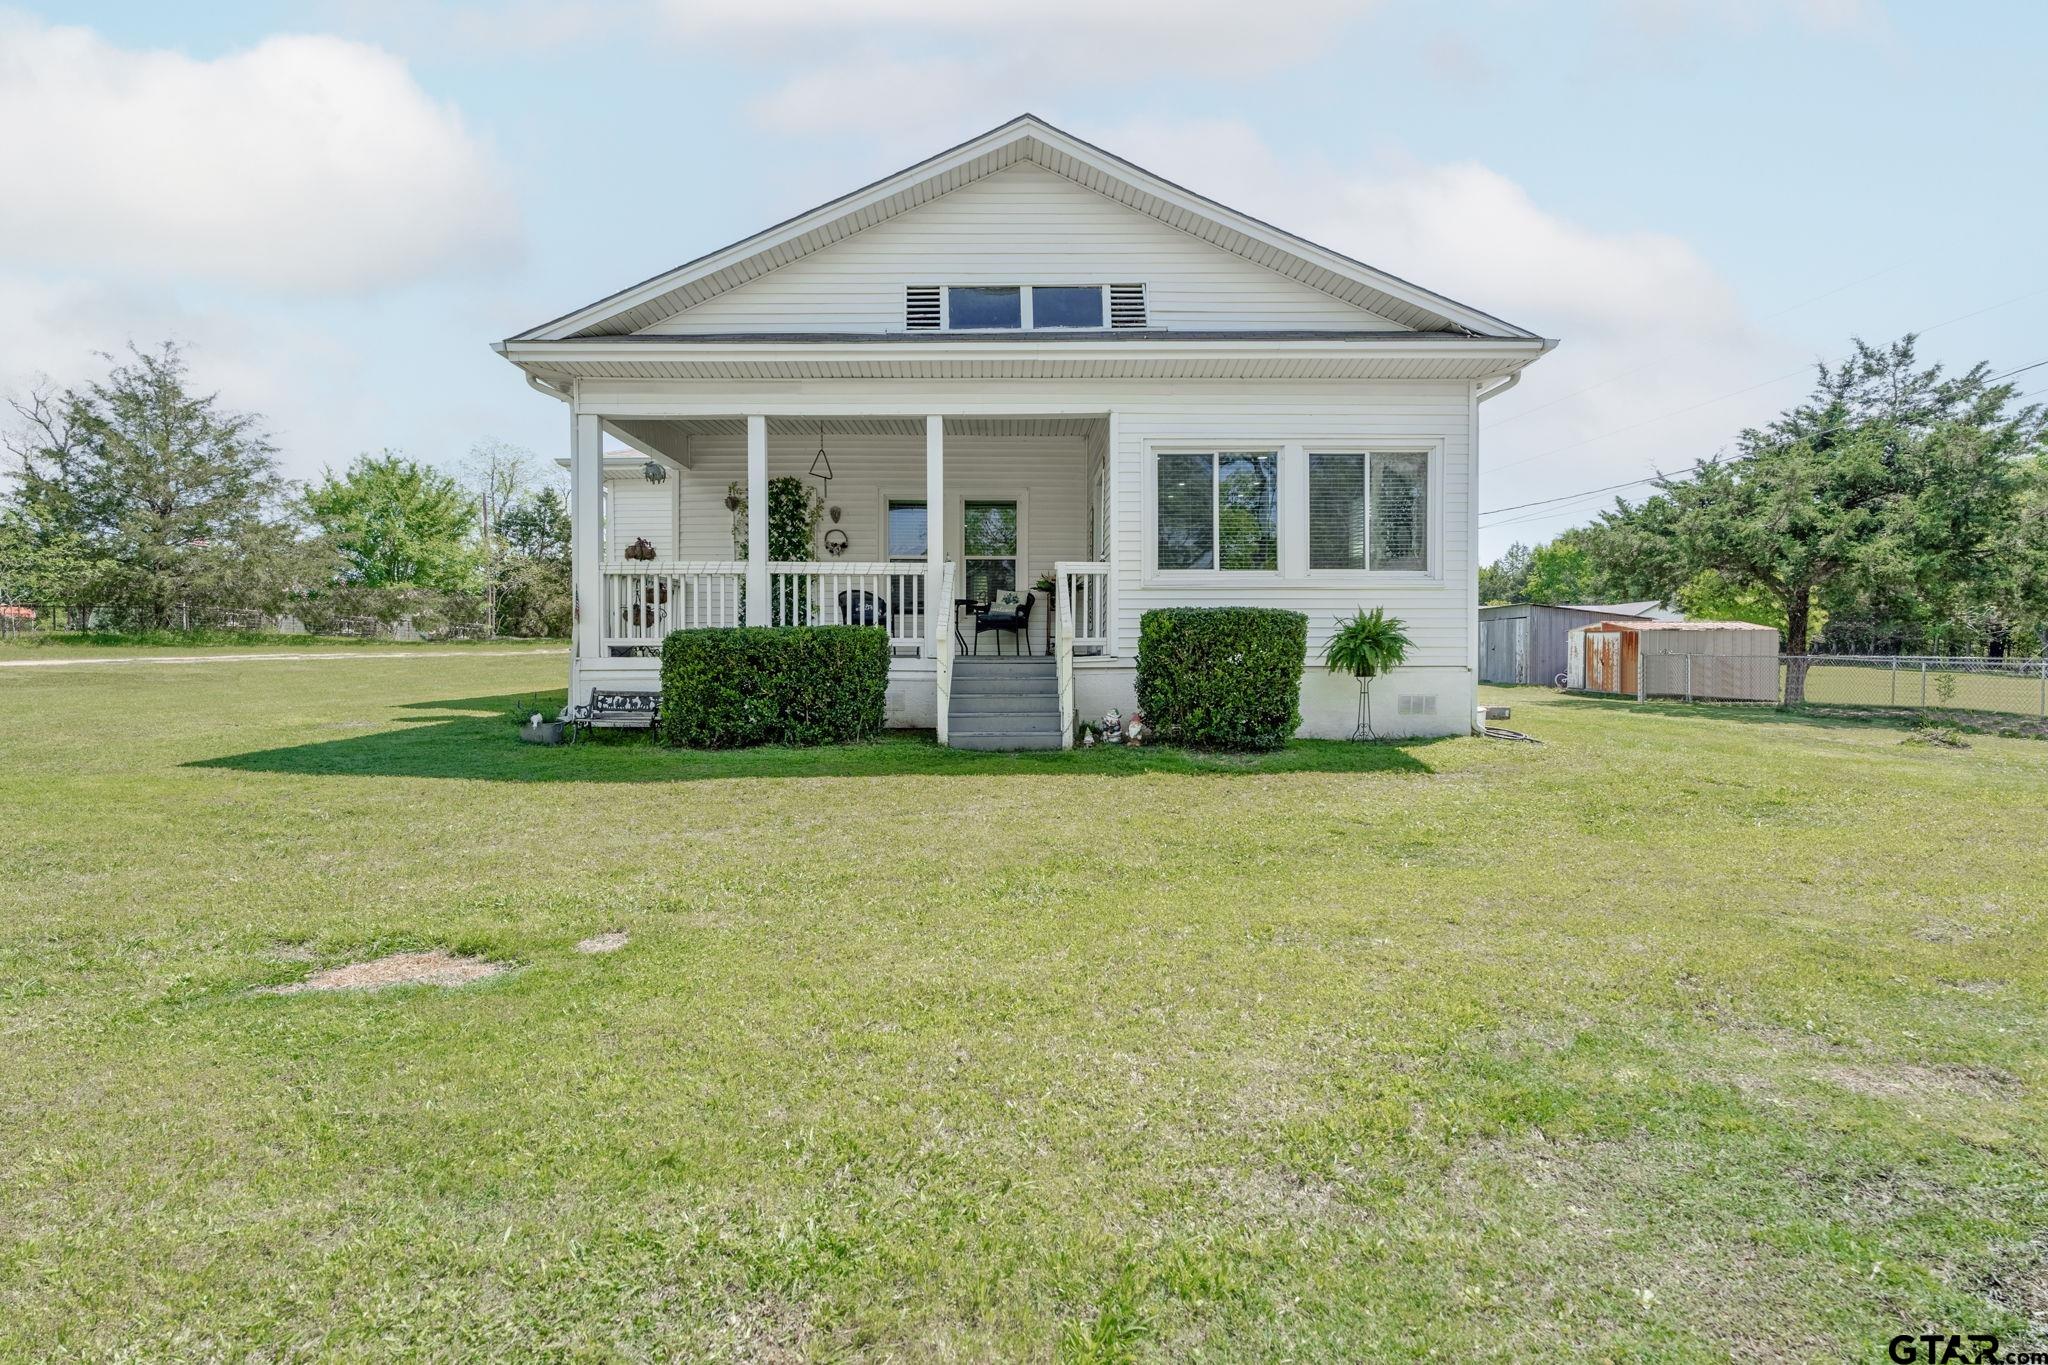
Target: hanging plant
(1367, 645)
(793, 516)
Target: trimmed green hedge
(747, 685)
(1223, 677)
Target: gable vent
(921, 307)
(1127, 305)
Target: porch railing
(891, 595)
(645, 601)
(1084, 589)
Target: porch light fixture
(654, 472)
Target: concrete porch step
(1004, 705)
(1028, 685)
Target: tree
(164, 500)
(1507, 578)
(537, 527)
(534, 596)
(1572, 568)
(397, 523)
(500, 473)
(1893, 490)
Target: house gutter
(1498, 389)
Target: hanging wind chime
(821, 470)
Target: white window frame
(1024, 307)
(1216, 575)
(1293, 522)
(1432, 451)
(956, 530)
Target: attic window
(1023, 307)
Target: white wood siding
(636, 509)
(1022, 225)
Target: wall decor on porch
(822, 461)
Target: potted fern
(1367, 645)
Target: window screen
(1400, 512)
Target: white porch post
(757, 522)
(938, 615)
(586, 533)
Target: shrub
(1227, 677)
(748, 685)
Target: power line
(1737, 393)
(1696, 465)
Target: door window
(989, 548)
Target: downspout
(1496, 391)
(1479, 396)
(539, 385)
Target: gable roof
(1024, 138)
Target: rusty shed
(1697, 660)
(1525, 642)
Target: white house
(1028, 358)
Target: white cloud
(1648, 326)
(309, 388)
(303, 163)
(901, 64)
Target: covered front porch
(924, 525)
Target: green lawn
(1688, 1035)
(45, 645)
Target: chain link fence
(1916, 682)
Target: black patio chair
(859, 607)
(1017, 622)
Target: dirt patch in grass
(1892, 1082)
(436, 968)
(604, 943)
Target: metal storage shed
(1697, 660)
(1526, 642)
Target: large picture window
(1219, 511)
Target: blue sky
(339, 205)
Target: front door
(989, 541)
